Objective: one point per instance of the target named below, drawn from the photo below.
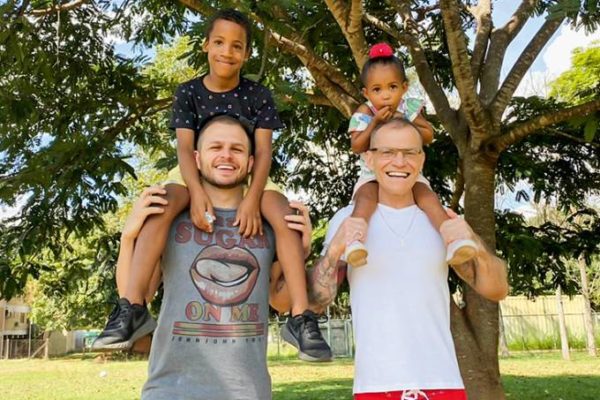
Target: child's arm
(248, 215)
(199, 202)
(360, 140)
(425, 128)
(150, 202)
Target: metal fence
(533, 324)
(337, 332)
(24, 348)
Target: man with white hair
(400, 300)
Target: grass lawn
(526, 377)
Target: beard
(231, 185)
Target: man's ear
(369, 159)
(205, 45)
(250, 163)
(197, 158)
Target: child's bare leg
(274, 207)
(429, 202)
(154, 284)
(302, 329)
(459, 251)
(130, 320)
(365, 203)
(151, 242)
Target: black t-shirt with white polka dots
(249, 100)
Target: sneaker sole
(356, 254)
(462, 254)
(289, 338)
(147, 328)
(357, 258)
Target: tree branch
(345, 103)
(461, 69)
(519, 18)
(309, 58)
(500, 39)
(556, 132)
(459, 188)
(483, 15)
(521, 131)
(522, 65)
(350, 22)
(199, 6)
(57, 8)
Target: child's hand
(384, 114)
(455, 228)
(350, 230)
(200, 206)
(248, 217)
(301, 223)
(150, 202)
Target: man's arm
(327, 275)
(324, 280)
(486, 273)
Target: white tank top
(401, 305)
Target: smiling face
(227, 49)
(223, 155)
(385, 86)
(398, 158)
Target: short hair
(226, 119)
(234, 16)
(398, 123)
(372, 62)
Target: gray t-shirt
(211, 340)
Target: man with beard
(211, 338)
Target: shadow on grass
(565, 387)
(332, 389)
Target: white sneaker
(356, 254)
(461, 251)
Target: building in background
(14, 322)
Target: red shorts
(437, 394)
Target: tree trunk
(562, 325)
(503, 345)
(587, 312)
(475, 327)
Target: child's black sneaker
(126, 324)
(302, 332)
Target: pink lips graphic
(225, 277)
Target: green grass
(547, 376)
(540, 376)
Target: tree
(310, 54)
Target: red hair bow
(381, 50)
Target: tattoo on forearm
(323, 281)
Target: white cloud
(557, 55)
